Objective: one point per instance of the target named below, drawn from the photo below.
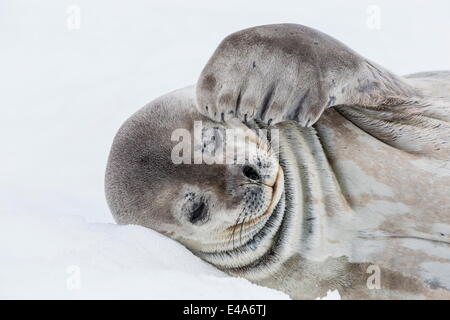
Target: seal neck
(317, 201)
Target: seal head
(214, 207)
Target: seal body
(362, 207)
(355, 197)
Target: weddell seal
(353, 194)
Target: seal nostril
(198, 213)
(251, 173)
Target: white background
(64, 92)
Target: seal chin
(257, 237)
(250, 227)
(249, 232)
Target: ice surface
(65, 257)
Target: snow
(331, 295)
(69, 258)
(65, 92)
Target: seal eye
(198, 213)
(251, 173)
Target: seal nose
(251, 173)
(198, 213)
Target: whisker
(240, 232)
(249, 183)
(234, 228)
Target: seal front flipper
(291, 72)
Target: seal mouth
(277, 184)
(259, 233)
(277, 191)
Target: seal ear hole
(251, 173)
